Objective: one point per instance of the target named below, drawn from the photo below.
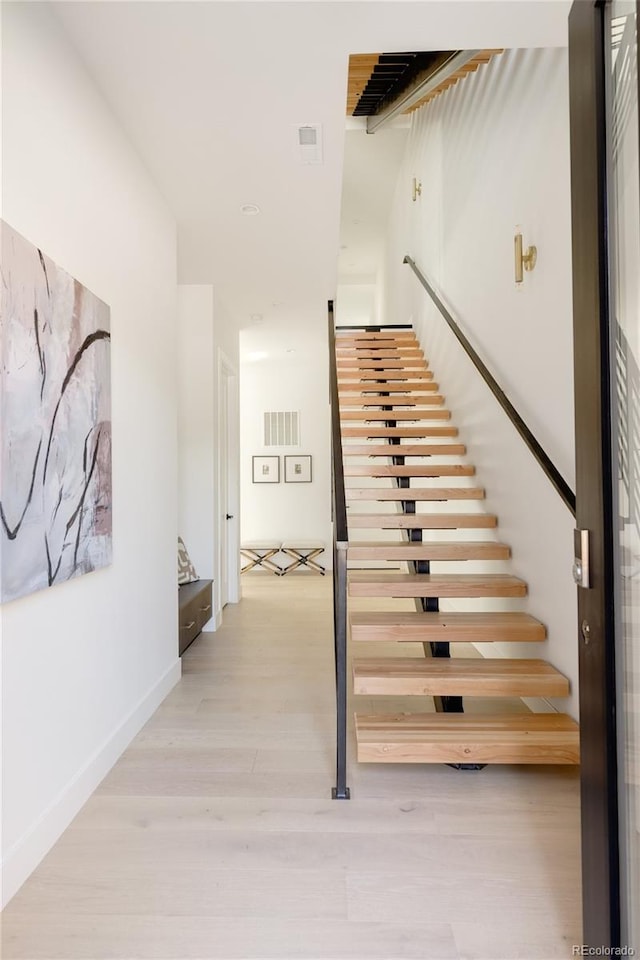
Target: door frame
(228, 478)
(594, 490)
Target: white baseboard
(535, 704)
(539, 705)
(25, 855)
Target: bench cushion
(303, 545)
(261, 545)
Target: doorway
(605, 147)
(228, 506)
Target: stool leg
(312, 562)
(291, 566)
(260, 559)
(273, 567)
(253, 561)
(304, 558)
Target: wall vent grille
(309, 142)
(307, 136)
(281, 428)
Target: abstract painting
(55, 423)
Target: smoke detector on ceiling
(309, 142)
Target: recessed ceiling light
(290, 351)
(250, 209)
(255, 317)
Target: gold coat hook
(523, 260)
(416, 190)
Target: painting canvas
(55, 423)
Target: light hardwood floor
(214, 838)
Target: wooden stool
(303, 554)
(259, 553)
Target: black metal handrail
(566, 493)
(340, 546)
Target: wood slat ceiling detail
(376, 79)
(484, 57)
(360, 70)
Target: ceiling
(211, 95)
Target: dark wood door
(594, 494)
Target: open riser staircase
(415, 522)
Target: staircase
(392, 414)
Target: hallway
(214, 836)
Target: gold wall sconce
(416, 190)
(524, 260)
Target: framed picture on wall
(297, 469)
(266, 469)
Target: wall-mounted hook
(416, 189)
(524, 260)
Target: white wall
(491, 153)
(205, 334)
(196, 426)
(86, 662)
(356, 304)
(287, 381)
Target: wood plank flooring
(214, 838)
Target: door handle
(229, 516)
(580, 568)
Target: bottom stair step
(468, 738)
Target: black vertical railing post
(340, 547)
(340, 791)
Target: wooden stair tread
(371, 416)
(395, 400)
(345, 377)
(374, 431)
(421, 521)
(389, 332)
(374, 584)
(401, 627)
(381, 366)
(381, 345)
(457, 676)
(441, 550)
(392, 336)
(468, 738)
(403, 449)
(393, 352)
(419, 470)
(391, 388)
(415, 493)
